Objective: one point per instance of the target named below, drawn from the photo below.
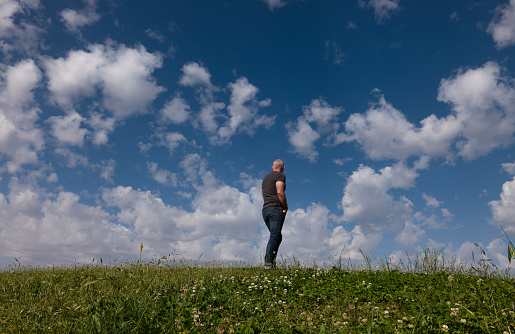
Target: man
(274, 209)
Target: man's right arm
(281, 187)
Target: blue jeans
(274, 220)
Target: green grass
(424, 295)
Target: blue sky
(122, 124)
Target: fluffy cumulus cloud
(67, 129)
(410, 235)
(509, 167)
(122, 75)
(318, 119)
(503, 210)
(74, 20)
(302, 137)
(470, 253)
(367, 200)
(23, 37)
(8, 9)
(482, 119)
(101, 127)
(502, 27)
(175, 111)
(224, 223)
(308, 235)
(40, 228)
(483, 103)
(162, 176)
(20, 136)
(196, 75)
(171, 140)
(93, 89)
(383, 132)
(243, 111)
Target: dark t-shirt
(269, 189)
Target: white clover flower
(445, 328)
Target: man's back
(269, 189)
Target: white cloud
(243, 111)
(509, 167)
(195, 75)
(307, 235)
(465, 251)
(40, 229)
(67, 129)
(352, 25)
(274, 4)
(383, 9)
(162, 176)
(334, 52)
(156, 35)
(484, 104)
(47, 228)
(385, 133)
(7, 9)
(302, 137)
(350, 245)
(502, 26)
(483, 118)
(497, 250)
(431, 201)
(75, 20)
(76, 76)
(18, 83)
(175, 111)
(194, 167)
(209, 113)
(127, 83)
(24, 37)
(171, 140)
(102, 126)
(435, 221)
(20, 137)
(503, 210)
(301, 134)
(52, 178)
(446, 213)
(341, 162)
(367, 202)
(151, 220)
(410, 235)
(107, 170)
(72, 159)
(300, 223)
(123, 74)
(321, 113)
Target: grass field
(425, 295)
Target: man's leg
(274, 222)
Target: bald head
(278, 165)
